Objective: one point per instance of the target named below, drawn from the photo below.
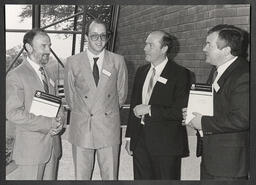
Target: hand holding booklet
(200, 101)
(45, 104)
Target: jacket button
(106, 114)
(108, 95)
(91, 115)
(85, 96)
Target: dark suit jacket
(226, 134)
(164, 133)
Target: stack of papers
(200, 101)
(45, 104)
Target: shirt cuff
(128, 139)
(149, 110)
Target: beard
(45, 59)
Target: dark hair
(98, 21)
(232, 37)
(167, 41)
(29, 36)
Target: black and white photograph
(115, 92)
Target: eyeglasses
(95, 37)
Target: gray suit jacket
(95, 119)
(33, 143)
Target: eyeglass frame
(98, 36)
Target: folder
(200, 100)
(45, 104)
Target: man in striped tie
(155, 136)
(37, 145)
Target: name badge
(106, 72)
(52, 82)
(162, 80)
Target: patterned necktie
(44, 79)
(151, 82)
(96, 71)
(149, 91)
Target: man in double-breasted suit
(226, 134)
(155, 136)
(37, 144)
(96, 85)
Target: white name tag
(52, 83)
(162, 80)
(106, 72)
(216, 87)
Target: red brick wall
(189, 24)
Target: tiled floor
(190, 165)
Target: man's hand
(140, 110)
(127, 147)
(184, 115)
(57, 126)
(196, 121)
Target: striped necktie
(149, 91)
(96, 71)
(44, 79)
(151, 83)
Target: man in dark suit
(226, 134)
(155, 136)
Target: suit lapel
(142, 80)
(86, 70)
(167, 73)
(105, 76)
(228, 71)
(34, 76)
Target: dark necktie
(214, 75)
(44, 79)
(96, 71)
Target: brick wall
(188, 24)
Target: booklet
(45, 104)
(200, 100)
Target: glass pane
(14, 45)
(61, 45)
(53, 13)
(15, 14)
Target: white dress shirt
(99, 61)
(159, 68)
(221, 69)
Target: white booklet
(200, 100)
(45, 104)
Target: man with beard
(37, 144)
(95, 83)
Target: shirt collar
(35, 65)
(91, 55)
(224, 66)
(159, 68)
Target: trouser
(107, 160)
(158, 167)
(204, 175)
(45, 171)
